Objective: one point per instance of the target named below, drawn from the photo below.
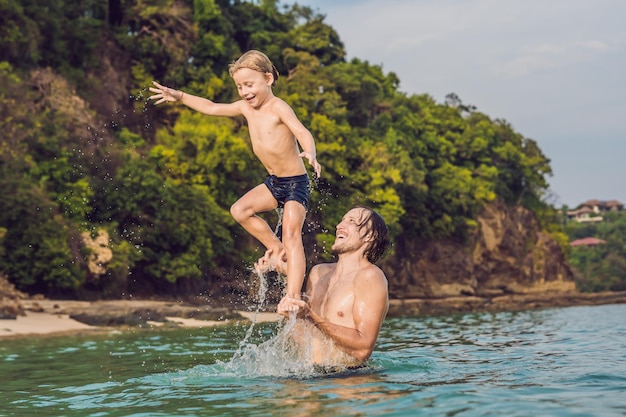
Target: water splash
(282, 355)
(279, 223)
(287, 353)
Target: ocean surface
(551, 362)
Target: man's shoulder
(373, 275)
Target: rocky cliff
(507, 264)
(506, 254)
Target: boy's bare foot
(271, 262)
(288, 305)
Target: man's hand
(165, 93)
(313, 161)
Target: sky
(554, 69)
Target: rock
(11, 308)
(10, 300)
(7, 316)
(8, 291)
(118, 318)
(418, 307)
(138, 313)
(214, 314)
(36, 307)
(506, 254)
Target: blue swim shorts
(297, 188)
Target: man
(348, 300)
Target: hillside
(108, 196)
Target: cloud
(404, 25)
(550, 56)
(554, 69)
(594, 45)
(414, 41)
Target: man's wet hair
(373, 226)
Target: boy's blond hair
(254, 60)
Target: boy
(275, 132)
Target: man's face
(348, 237)
(253, 86)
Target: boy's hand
(165, 93)
(313, 161)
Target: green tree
(42, 251)
(600, 267)
(81, 143)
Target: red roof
(593, 202)
(588, 241)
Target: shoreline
(48, 318)
(416, 307)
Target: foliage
(160, 180)
(600, 267)
(41, 249)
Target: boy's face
(253, 86)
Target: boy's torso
(273, 143)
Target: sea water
(551, 362)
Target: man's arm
(200, 104)
(370, 308)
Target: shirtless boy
(275, 132)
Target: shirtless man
(348, 300)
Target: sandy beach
(54, 317)
(40, 324)
(38, 316)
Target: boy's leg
(294, 214)
(257, 200)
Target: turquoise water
(553, 362)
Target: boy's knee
(238, 213)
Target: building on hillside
(603, 206)
(588, 241)
(584, 215)
(591, 210)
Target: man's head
(362, 227)
(256, 61)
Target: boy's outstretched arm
(200, 104)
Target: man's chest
(336, 299)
